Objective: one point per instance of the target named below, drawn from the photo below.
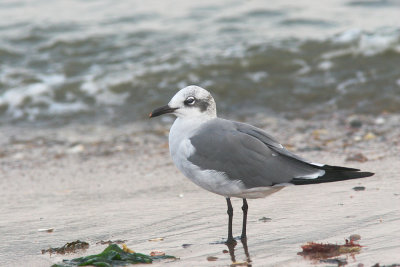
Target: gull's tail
(333, 174)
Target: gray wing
(268, 140)
(246, 153)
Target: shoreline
(102, 183)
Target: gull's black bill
(161, 110)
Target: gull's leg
(230, 213)
(245, 207)
(231, 247)
(246, 251)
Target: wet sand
(96, 183)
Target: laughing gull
(235, 159)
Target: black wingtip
(338, 168)
(333, 176)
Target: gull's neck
(200, 119)
(185, 127)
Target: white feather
(314, 175)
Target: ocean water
(114, 61)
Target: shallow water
(71, 61)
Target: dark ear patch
(202, 104)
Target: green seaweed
(113, 255)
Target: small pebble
(356, 124)
(359, 188)
(156, 239)
(19, 156)
(76, 149)
(369, 136)
(186, 245)
(379, 121)
(357, 157)
(212, 258)
(265, 219)
(355, 237)
(48, 230)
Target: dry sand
(98, 183)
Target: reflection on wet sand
(231, 248)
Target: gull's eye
(190, 100)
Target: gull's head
(191, 101)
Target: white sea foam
(60, 65)
(66, 108)
(325, 65)
(369, 44)
(38, 98)
(16, 97)
(257, 76)
(372, 44)
(348, 36)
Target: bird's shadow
(231, 249)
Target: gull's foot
(230, 242)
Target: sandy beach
(96, 183)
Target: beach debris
(186, 245)
(47, 230)
(380, 121)
(225, 251)
(355, 123)
(265, 219)
(19, 156)
(109, 242)
(76, 149)
(113, 255)
(126, 249)
(71, 247)
(59, 155)
(319, 251)
(357, 157)
(157, 253)
(317, 133)
(359, 188)
(212, 258)
(369, 136)
(391, 265)
(354, 238)
(156, 239)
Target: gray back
(244, 152)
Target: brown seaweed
(71, 247)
